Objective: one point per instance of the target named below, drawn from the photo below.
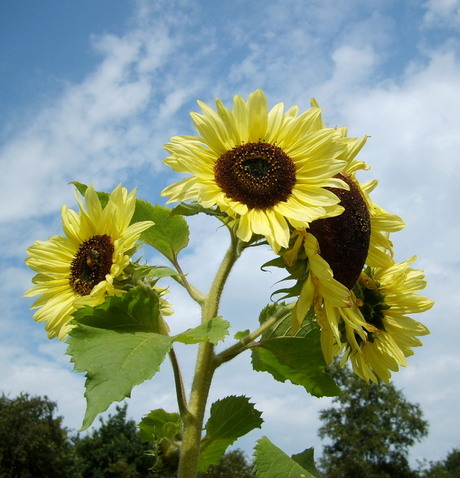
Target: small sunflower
(88, 262)
(268, 170)
(385, 296)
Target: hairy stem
(204, 370)
(193, 292)
(180, 390)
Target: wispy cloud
(442, 13)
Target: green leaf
(169, 235)
(241, 334)
(282, 328)
(298, 359)
(306, 459)
(118, 345)
(159, 424)
(271, 462)
(213, 331)
(231, 418)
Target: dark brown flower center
(344, 240)
(91, 264)
(259, 175)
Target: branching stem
(242, 345)
(193, 292)
(204, 370)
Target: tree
(33, 441)
(232, 465)
(448, 468)
(114, 450)
(371, 429)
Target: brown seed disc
(91, 263)
(344, 240)
(259, 175)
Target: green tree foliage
(114, 450)
(370, 429)
(33, 442)
(448, 468)
(232, 465)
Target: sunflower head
(344, 240)
(88, 262)
(384, 298)
(91, 264)
(269, 170)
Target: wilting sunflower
(331, 300)
(385, 297)
(369, 324)
(88, 262)
(336, 250)
(268, 170)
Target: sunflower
(385, 296)
(382, 222)
(268, 170)
(369, 324)
(88, 262)
(335, 251)
(332, 302)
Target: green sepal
(297, 359)
(118, 344)
(271, 462)
(213, 331)
(298, 273)
(159, 424)
(194, 208)
(169, 235)
(230, 418)
(143, 272)
(164, 431)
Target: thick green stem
(204, 370)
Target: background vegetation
(368, 432)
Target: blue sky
(90, 91)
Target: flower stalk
(206, 364)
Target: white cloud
(442, 13)
(99, 129)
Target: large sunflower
(268, 170)
(88, 262)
